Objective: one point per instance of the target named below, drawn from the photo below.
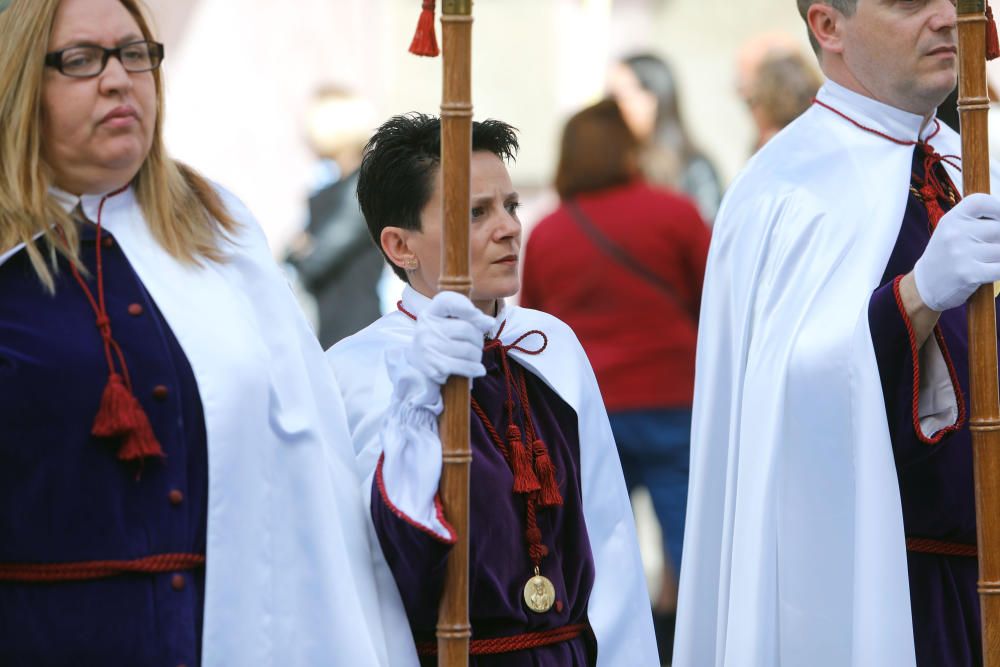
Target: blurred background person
(334, 258)
(781, 89)
(646, 90)
(636, 254)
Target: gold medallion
(539, 593)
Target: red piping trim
(98, 569)
(380, 482)
(915, 356)
(941, 548)
(522, 642)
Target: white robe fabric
(288, 580)
(794, 550)
(619, 610)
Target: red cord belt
(98, 569)
(528, 640)
(940, 548)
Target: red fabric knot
(104, 325)
(424, 38)
(119, 415)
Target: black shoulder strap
(622, 256)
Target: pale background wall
(240, 72)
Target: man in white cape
(829, 509)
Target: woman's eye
(478, 212)
(512, 207)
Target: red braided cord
(98, 569)
(522, 642)
(901, 142)
(940, 547)
(485, 419)
(98, 304)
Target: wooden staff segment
(454, 629)
(973, 106)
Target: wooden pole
(973, 105)
(454, 630)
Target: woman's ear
(396, 246)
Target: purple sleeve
(416, 555)
(899, 369)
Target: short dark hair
(399, 164)
(845, 7)
(598, 151)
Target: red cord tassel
(424, 40)
(140, 443)
(525, 480)
(121, 416)
(934, 210)
(992, 43)
(546, 472)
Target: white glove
(448, 341)
(963, 253)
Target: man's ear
(395, 243)
(826, 24)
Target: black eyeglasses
(84, 62)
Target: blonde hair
(184, 212)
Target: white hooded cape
(288, 576)
(619, 610)
(794, 550)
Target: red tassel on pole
(425, 40)
(992, 43)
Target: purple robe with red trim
(934, 469)
(65, 497)
(498, 553)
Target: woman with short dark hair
(555, 578)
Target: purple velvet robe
(935, 480)
(498, 553)
(64, 497)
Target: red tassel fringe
(546, 472)
(121, 416)
(992, 42)
(424, 39)
(115, 410)
(525, 480)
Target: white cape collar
(871, 113)
(414, 302)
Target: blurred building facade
(240, 74)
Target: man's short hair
(399, 165)
(845, 7)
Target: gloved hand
(448, 341)
(963, 253)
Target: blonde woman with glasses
(176, 479)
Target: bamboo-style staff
(453, 629)
(977, 40)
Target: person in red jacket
(622, 262)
